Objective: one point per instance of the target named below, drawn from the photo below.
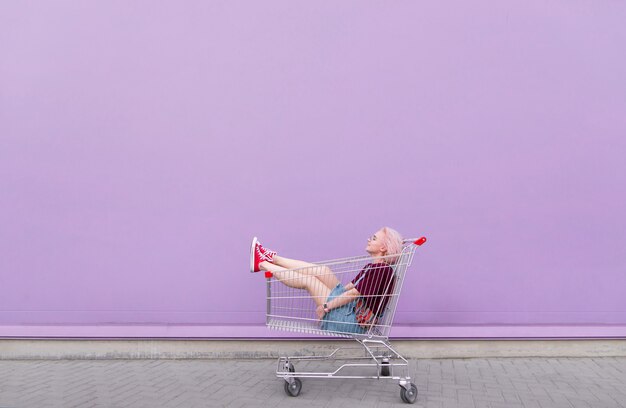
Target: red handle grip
(420, 241)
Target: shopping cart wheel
(384, 368)
(294, 388)
(409, 396)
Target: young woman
(350, 308)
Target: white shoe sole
(252, 248)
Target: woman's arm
(343, 299)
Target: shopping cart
(294, 310)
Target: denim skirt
(341, 319)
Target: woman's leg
(294, 279)
(323, 273)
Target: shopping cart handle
(420, 241)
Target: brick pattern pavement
(442, 383)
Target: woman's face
(375, 246)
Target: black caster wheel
(409, 396)
(384, 368)
(293, 389)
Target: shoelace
(261, 254)
(266, 254)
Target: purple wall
(142, 145)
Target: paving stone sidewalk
(442, 383)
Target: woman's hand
(320, 312)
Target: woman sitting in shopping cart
(352, 308)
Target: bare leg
(294, 279)
(323, 273)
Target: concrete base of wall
(46, 349)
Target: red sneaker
(259, 254)
(267, 253)
(255, 256)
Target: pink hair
(393, 242)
